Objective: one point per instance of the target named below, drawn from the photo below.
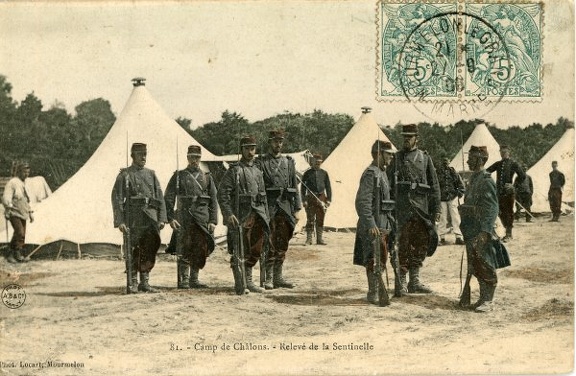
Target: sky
(257, 58)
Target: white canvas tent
(345, 166)
(480, 136)
(563, 153)
(80, 211)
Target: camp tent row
(80, 212)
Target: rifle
(519, 204)
(263, 252)
(126, 235)
(178, 218)
(465, 295)
(322, 203)
(394, 258)
(383, 298)
(239, 263)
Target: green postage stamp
(459, 51)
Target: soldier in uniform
(505, 170)
(373, 193)
(557, 181)
(138, 206)
(195, 218)
(524, 191)
(417, 194)
(242, 199)
(283, 206)
(478, 216)
(451, 188)
(17, 210)
(316, 197)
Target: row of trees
(58, 143)
(55, 142)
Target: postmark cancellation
(459, 51)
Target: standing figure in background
(17, 211)
(478, 214)
(451, 190)
(524, 191)
(417, 195)
(316, 198)
(557, 181)
(375, 215)
(242, 199)
(194, 193)
(139, 209)
(505, 169)
(283, 206)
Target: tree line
(57, 143)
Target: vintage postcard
(69, 303)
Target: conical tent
(345, 166)
(563, 153)
(80, 211)
(480, 136)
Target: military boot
(10, 256)
(403, 283)
(250, 284)
(133, 288)
(319, 234)
(19, 256)
(268, 282)
(415, 286)
(485, 303)
(144, 285)
(194, 282)
(371, 296)
(508, 235)
(308, 236)
(279, 281)
(183, 275)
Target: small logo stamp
(13, 296)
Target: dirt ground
(76, 319)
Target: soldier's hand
(174, 224)
(327, 204)
(374, 231)
(31, 217)
(233, 221)
(211, 227)
(123, 228)
(437, 218)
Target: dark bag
(502, 257)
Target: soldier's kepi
(417, 196)
(193, 193)
(140, 213)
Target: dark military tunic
(414, 182)
(315, 182)
(195, 194)
(557, 181)
(283, 201)
(138, 202)
(524, 190)
(505, 170)
(244, 181)
(478, 215)
(373, 194)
